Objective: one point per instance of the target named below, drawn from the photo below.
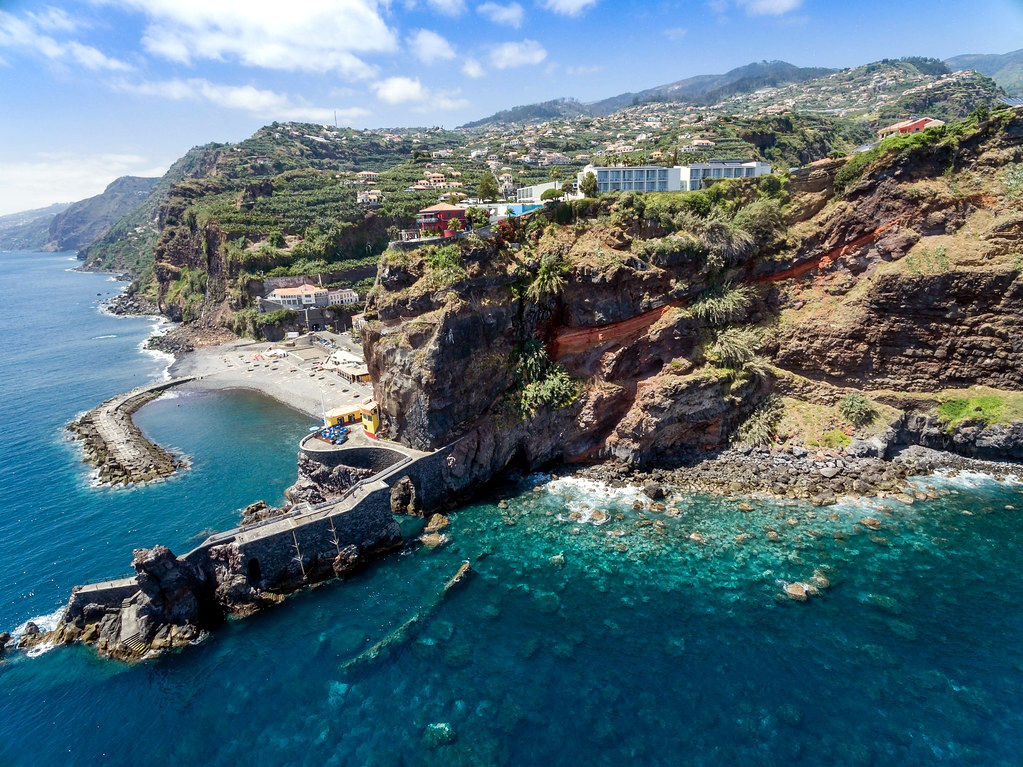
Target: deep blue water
(576, 643)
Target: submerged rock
(797, 591)
(438, 734)
(433, 540)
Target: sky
(94, 89)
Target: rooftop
(300, 290)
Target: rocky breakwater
(117, 448)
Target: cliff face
(919, 285)
(906, 277)
(85, 221)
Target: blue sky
(93, 89)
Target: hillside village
(318, 204)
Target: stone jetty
(172, 601)
(117, 447)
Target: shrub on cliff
(723, 304)
(856, 409)
(761, 425)
(540, 383)
(445, 264)
(734, 348)
(549, 279)
(672, 251)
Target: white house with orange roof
(301, 297)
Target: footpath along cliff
(854, 306)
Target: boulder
(433, 540)
(796, 591)
(348, 560)
(653, 490)
(436, 523)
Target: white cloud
(675, 33)
(28, 35)
(517, 54)
(568, 7)
(759, 7)
(406, 90)
(55, 20)
(472, 68)
(511, 14)
(266, 104)
(448, 7)
(430, 47)
(64, 177)
(582, 69)
(300, 35)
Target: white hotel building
(681, 178)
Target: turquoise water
(626, 642)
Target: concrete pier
(117, 447)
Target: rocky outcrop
(318, 482)
(128, 303)
(163, 610)
(974, 439)
(919, 333)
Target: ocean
(579, 640)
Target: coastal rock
(436, 523)
(4, 639)
(796, 591)
(653, 490)
(31, 635)
(348, 561)
(433, 540)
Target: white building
(342, 296)
(301, 297)
(680, 178)
(532, 194)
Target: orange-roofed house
(438, 218)
(301, 297)
(914, 125)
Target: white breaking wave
(965, 479)
(45, 623)
(159, 327)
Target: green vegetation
(540, 383)
(549, 279)
(487, 188)
(445, 263)
(1012, 178)
(856, 409)
(984, 409)
(589, 186)
(836, 439)
(902, 147)
(722, 304)
(760, 426)
(734, 347)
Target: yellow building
(342, 416)
(371, 419)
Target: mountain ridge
(749, 76)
